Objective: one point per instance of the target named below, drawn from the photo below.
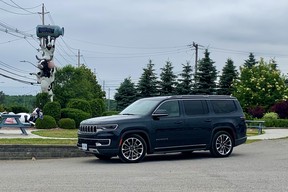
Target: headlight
(108, 126)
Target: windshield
(140, 107)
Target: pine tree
(126, 94)
(184, 86)
(205, 76)
(229, 73)
(148, 84)
(168, 80)
(251, 61)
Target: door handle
(208, 120)
(178, 122)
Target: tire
(133, 149)
(222, 144)
(102, 157)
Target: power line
(18, 7)
(24, 9)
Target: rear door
(198, 124)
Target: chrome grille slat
(88, 128)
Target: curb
(22, 152)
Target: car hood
(110, 119)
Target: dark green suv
(166, 124)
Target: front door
(169, 129)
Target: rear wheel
(222, 144)
(133, 149)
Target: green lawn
(69, 134)
(58, 133)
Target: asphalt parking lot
(259, 166)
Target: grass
(252, 132)
(38, 141)
(69, 135)
(57, 133)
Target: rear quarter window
(223, 106)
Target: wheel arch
(228, 129)
(141, 133)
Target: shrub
(281, 108)
(248, 116)
(67, 123)
(108, 113)
(47, 122)
(276, 122)
(97, 107)
(19, 109)
(256, 112)
(271, 115)
(79, 104)
(53, 109)
(76, 114)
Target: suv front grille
(88, 128)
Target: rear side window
(223, 106)
(195, 107)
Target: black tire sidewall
(123, 158)
(213, 149)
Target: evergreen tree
(205, 76)
(148, 84)
(229, 73)
(168, 80)
(251, 61)
(126, 94)
(184, 85)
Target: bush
(271, 115)
(276, 122)
(256, 112)
(97, 107)
(76, 114)
(19, 109)
(281, 108)
(79, 104)
(108, 113)
(53, 109)
(47, 122)
(67, 123)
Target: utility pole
(196, 55)
(79, 56)
(42, 13)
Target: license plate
(84, 146)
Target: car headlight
(108, 126)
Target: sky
(117, 38)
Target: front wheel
(133, 149)
(222, 144)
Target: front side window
(172, 108)
(140, 107)
(195, 107)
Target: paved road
(260, 166)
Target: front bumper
(105, 144)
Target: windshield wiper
(127, 114)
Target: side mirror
(160, 113)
